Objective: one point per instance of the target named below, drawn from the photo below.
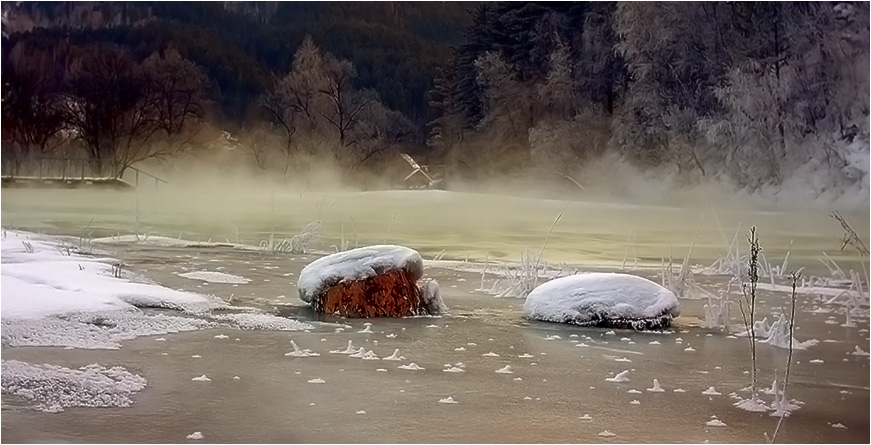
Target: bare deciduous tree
(127, 113)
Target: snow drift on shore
(52, 296)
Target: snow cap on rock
(356, 264)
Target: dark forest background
(755, 94)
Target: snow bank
(52, 297)
(597, 299)
(47, 282)
(53, 388)
(356, 264)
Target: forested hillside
(757, 95)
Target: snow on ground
(47, 282)
(53, 388)
(215, 277)
(356, 264)
(587, 298)
(55, 297)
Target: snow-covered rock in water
(603, 300)
(374, 281)
(53, 388)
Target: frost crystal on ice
(619, 378)
(53, 388)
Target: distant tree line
(98, 102)
(87, 80)
(751, 91)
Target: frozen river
(558, 372)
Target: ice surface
(586, 299)
(619, 378)
(752, 404)
(215, 277)
(262, 322)
(297, 352)
(656, 387)
(711, 391)
(715, 422)
(860, 352)
(395, 357)
(356, 264)
(53, 388)
(432, 298)
(347, 351)
(411, 367)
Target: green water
(460, 224)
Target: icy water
(544, 398)
(541, 401)
(454, 225)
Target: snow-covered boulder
(371, 281)
(603, 300)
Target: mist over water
(477, 223)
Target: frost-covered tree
(295, 102)
(556, 95)
(507, 101)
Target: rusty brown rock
(391, 294)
